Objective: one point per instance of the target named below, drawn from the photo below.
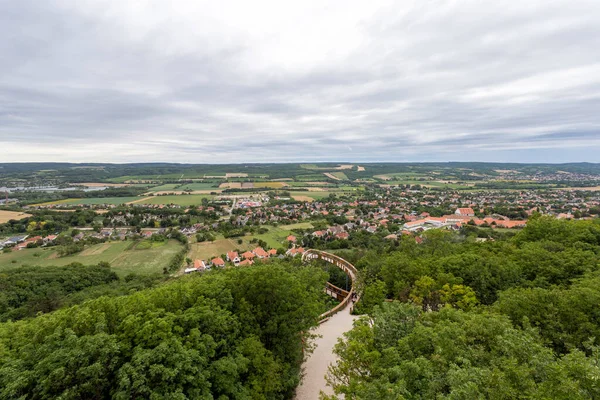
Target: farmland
(123, 257)
(92, 201)
(181, 200)
(6, 216)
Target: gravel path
(315, 368)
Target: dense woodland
(515, 318)
(234, 334)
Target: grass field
(122, 258)
(275, 238)
(94, 200)
(166, 186)
(340, 175)
(181, 200)
(199, 186)
(6, 216)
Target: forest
(234, 333)
(455, 319)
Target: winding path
(334, 323)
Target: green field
(181, 200)
(275, 238)
(123, 257)
(339, 175)
(308, 183)
(166, 186)
(208, 250)
(200, 186)
(94, 200)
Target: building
(467, 212)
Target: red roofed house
(199, 265)
(272, 252)
(260, 252)
(291, 238)
(233, 257)
(246, 263)
(468, 212)
(248, 255)
(342, 235)
(294, 251)
(218, 262)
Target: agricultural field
(6, 216)
(308, 183)
(309, 196)
(199, 186)
(123, 256)
(181, 200)
(340, 175)
(165, 187)
(270, 185)
(92, 201)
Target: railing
(341, 264)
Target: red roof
(248, 255)
(291, 238)
(218, 261)
(260, 252)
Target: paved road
(315, 368)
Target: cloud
(236, 81)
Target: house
(272, 252)
(246, 263)
(260, 253)
(391, 237)
(49, 239)
(318, 233)
(293, 252)
(342, 235)
(232, 256)
(467, 212)
(291, 238)
(248, 255)
(218, 262)
(199, 266)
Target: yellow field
(302, 198)
(272, 185)
(6, 216)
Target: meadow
(185, 200)
(275, 238)
(123, 256)
(92, 201)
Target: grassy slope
(275, 238)
(118, 254)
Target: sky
(288, 81)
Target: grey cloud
(424, 82)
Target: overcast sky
(251, 81)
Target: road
(315, 368)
